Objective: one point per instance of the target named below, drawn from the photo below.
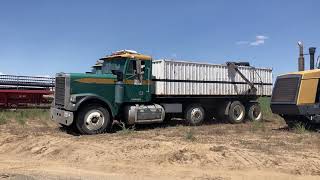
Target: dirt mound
(216, 151)
(185, 156)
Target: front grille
(286, 89)
(60, 91)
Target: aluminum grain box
(190, 78)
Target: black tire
(195, 114)
(93, 119)
(236, 112)
(254, 112)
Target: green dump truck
(135, 89)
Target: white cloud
(242, 42)
(1, 73)
(260, 39)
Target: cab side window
(136, 71)
(143, 67)
(132, 68)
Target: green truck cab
(89, 101)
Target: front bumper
(61, 116)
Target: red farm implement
(25, 91)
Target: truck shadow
(69, 130)
(117, 127)
(299, 129)
(171, 123)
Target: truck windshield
(115, 64)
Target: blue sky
(42, 37)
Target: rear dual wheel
(236, 112)
(254, 112)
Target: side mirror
(119, 74)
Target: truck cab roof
(127, 54)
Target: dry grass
(266, 110)
(190, 135)
(300, 128)
(257, 126)
(21, 116)
(125, 130)
(252, 145)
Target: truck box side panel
(188, 78)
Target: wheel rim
(196, 115)
(256, 113)
(94, 120)
(238, 113)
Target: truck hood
(77, 79)
(93, 78)
(98, 84)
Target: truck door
(136, 84)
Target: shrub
(190, 135)
(300, 128)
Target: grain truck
(135, 89)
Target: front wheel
(93, 119)
(195, 115)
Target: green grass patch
(265, 106)
(21, 116)
(125, 130)
(300, 128)
(266, 110)
(3, 119)
(190, 135)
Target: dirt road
(41, 150)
